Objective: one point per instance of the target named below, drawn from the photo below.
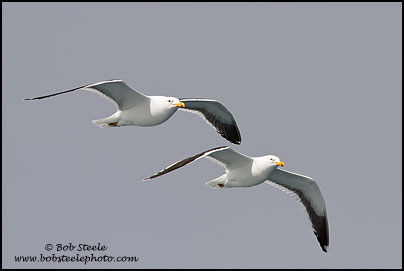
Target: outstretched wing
(307, 192)
(216, 115)
(224, 156)
(115, 91)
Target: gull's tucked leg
(113, 124)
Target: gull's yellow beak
(180, 104)
(280, 163)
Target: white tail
(218, 182)
(101, 123)
(106, 122)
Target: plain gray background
(318, 85)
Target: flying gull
(135, 108)
(245, 171)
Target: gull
(137, 109)
(245, 171)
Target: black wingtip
(231, 133)
(321, 232)
(237, 142)
(234, 142)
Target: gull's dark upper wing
(216, 115)
(224, 156)
(307, 192)
(115, 91)
(186, 161)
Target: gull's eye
(169, 101)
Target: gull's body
(153, 111)
(137, 109)
(245, 171)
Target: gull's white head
(275, 160)
(172, 101)
(167, 103)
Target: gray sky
(318, 85)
